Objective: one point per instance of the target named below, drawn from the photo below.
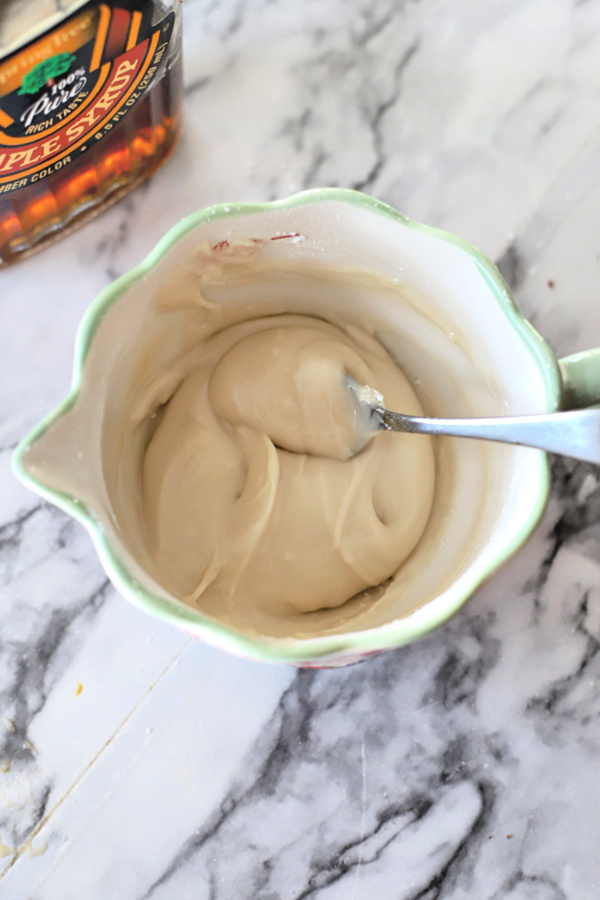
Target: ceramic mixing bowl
(439, 307)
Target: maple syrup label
(67, 90)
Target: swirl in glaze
(254, 495)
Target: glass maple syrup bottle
(90, 106)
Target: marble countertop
(135, 762)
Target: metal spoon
(575, 433)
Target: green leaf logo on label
(45, 72)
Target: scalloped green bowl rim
(288, 650)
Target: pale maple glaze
(254, 497)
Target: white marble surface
(465, 766)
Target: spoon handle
(575, 433)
